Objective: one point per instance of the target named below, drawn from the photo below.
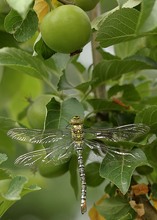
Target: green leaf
(21, 6)
(29, 189)
(73, 169)
(4, 174)
(153, 191)
(3, 157)
(15, 188)
(10, 81)
(42, 49)
(60, 113)
(7, 40)
(151, 152)
(118, 168)
(148, 19)
(28, 27)
(24, 62)
(96, 23)
(21, 29)
(128, 92)
(12, 22)
(131, 3)
(121, 2)
(114, 69)
(93, 177)
(104, 105)
(129, 48)
(6, 204)
(7, 123)
(118, 27)
(64, 83)
(116, 208)
(148, 116)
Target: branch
(99, 92)
(150, 211)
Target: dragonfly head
(76, 120)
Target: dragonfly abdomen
(81, 169)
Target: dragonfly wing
(100, 149)
(57, 154)
(36, 136)
(122, 133)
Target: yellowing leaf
(155, 203)
(138, 208)
(93, 213)
(140, 189)
(41, 7)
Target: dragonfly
(73, 139)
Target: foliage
(116, 89)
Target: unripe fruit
(52, 170)
(66, 29)
(86, 5)
(37, 111)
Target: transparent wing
(100, 149)
(58, 154)
(122, 133)
(36, 136)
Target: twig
(150, 211)
(99, 92)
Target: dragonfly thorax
(77, 128)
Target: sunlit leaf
(147, 20)
(118, 168)
(22, 30)
(114, 69)
(15, 188)
(121, 2)
(96, 23)
(12, 21)
(21, 6)
(3, 157)
(118, 27)
(23, 61)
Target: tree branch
(99, 92)
(150, 211)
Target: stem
(150, 211)
(99, 92)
